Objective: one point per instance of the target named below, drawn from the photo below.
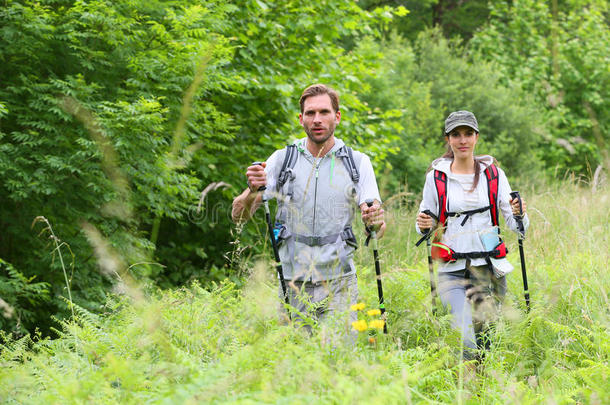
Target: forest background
(131, 122)
(125, 129)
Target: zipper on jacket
(315, 202)
(315, 197)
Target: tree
(559, 53)
(430, 78)
(117, 114)
(455, 18)
(92, 96)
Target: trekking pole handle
(515, 194)
(261, 188)
(429, 231)
(371, 230)
(369, 203)
(519, 218)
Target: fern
(19, 293)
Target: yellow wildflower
(372, 340)
(377, 324)
(357, 307)
(360, 325)
(373, 312)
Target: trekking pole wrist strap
(430, 231)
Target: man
(317, 193)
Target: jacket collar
(444, 164)
(302, 146)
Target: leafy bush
(18, 296)
(119, 114)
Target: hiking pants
(322, 301)
(474, 296)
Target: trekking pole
(427, 237)
(521, 229)
(373, 235)
(431, 272)
(276, 253)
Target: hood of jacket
(444, 164)
(302, 146)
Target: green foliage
(427, 80)
(118, 114)
(139, 117)
(94, 93)
(226, 344)
(559, 55)
(454, 18)
(18, 294)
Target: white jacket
(466, 238)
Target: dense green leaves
(94, 96)
(139, 117)
(18, 294)
(120, 113)
(559, 54)
(431, 77)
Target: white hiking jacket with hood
(467, 238)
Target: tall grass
(227, 345)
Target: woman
(473, 191)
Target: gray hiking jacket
(316, 208)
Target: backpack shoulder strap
(440, 181)
(290, 159)
(491, 173)
(347, 155)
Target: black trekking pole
(428, 237)
(431, 272)
(521, 229)
(373, 235)
(276, 253)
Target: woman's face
(462, 141)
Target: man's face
(318, 118)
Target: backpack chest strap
(467, 213)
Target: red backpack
(491, 174)
(443, 252)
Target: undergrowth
(228, 345)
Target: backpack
(443, 252)
(292, 154)
(283, 235)
(440, 180)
